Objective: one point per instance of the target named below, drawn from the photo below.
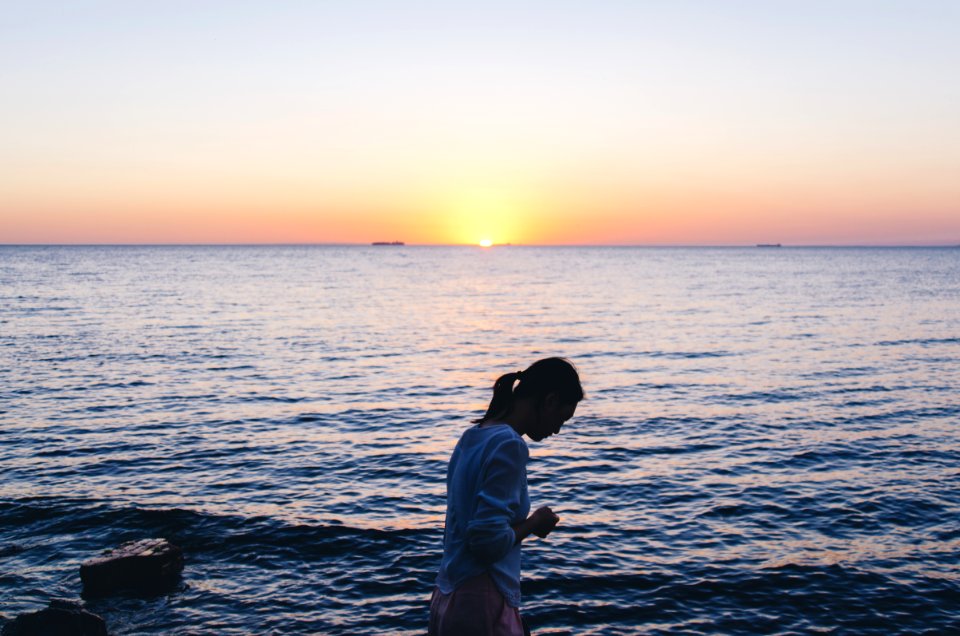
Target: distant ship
(769, 245)
(388, 243)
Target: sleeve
(489, 534)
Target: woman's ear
(551, 400)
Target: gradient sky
(673, 122)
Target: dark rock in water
(61, 618)
(145, 565)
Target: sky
(595, 122)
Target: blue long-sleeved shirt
(486, 497)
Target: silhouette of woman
(478, 586)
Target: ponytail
(550, 375)
(502, 397)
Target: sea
(769, 444)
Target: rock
(145, 565)
(61, 618)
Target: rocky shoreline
(151, 566)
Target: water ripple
(768, 445)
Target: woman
(478, 587)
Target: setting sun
(485, 216)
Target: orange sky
(608, 124)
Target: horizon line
(947, 244)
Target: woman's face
(551, 416)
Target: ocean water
(770, 442)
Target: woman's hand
(540, 523)
(544, 521)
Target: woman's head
(548, 392)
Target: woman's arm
(490, 535)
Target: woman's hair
(550, 375)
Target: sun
(483, 216)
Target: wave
(918, 341)
(226, 536)
(783, 598)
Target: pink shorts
(475, 608)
